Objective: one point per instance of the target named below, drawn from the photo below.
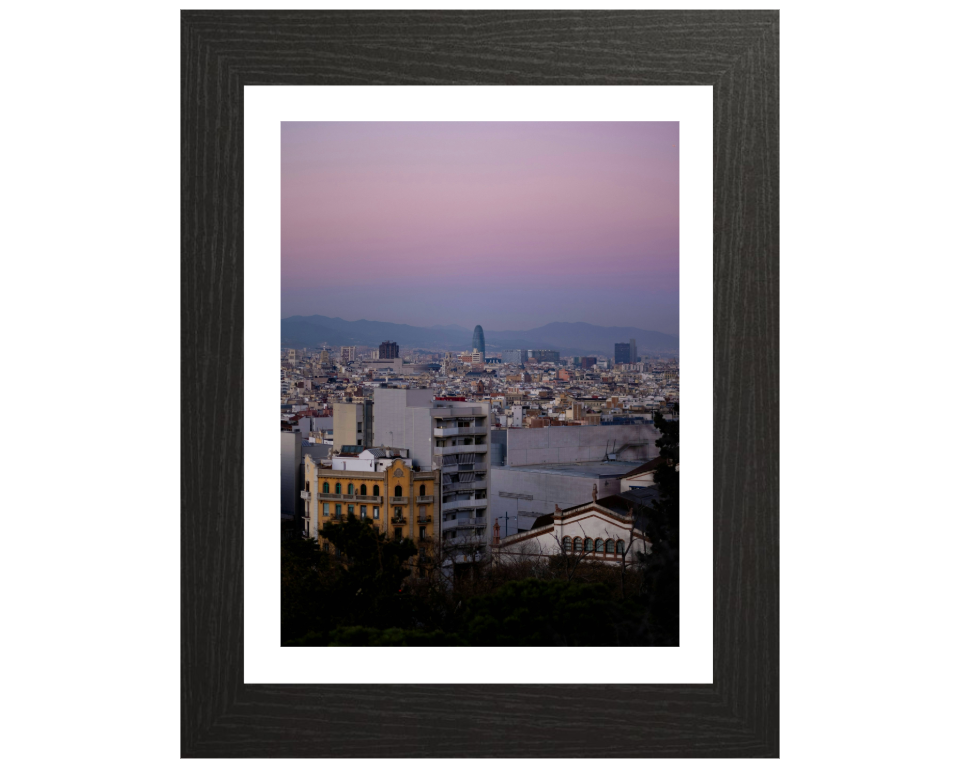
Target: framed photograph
(484, 233)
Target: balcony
(424, 499)
(427, 543)
(398, 521)
(474, 485)
(449, 506)
(467, 522)
(458, 431)
(424, 520)
(374, 499)
(452, 450)
(399, 501)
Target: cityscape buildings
(506, 441)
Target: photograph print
(480, 384)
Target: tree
(534, 612)
(661, 567)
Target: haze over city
(514, 224)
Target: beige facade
(398, 500)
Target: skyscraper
(478, 342)
(633, 351)
(389, 350)
(621, 353)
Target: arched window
(376, 490)
(610, 546)
(423, 490)
(339, 488)
(588, 545)
(350, 489)
(398, 491)
(620, 546)
(566, 543)
(363, 489)
(326, 487)
(578, 544)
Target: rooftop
(597, 469)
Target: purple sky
(509, 225)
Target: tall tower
(478, 342)
(633, 350)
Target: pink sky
(540, 221)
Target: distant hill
(567, 338)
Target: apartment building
(352, 424)
(382, 485)
(452, 437)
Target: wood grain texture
(734, 51)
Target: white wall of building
(557, 445)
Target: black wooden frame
(736, 52)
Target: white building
(592, 531)
(453, 436)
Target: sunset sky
(509, 225)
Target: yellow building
(380, 485)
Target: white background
(89, 303)
(264, 107)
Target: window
(326, 510)
(376, 490)
(423, 532)
(326, 547)
(308, 486)
(326, 487)
(566, 543)
(578, 544)
(359, 428)
(339, 489)
(398, 533)
(423, 489)
(349, 510)
(336, 510)
(398, 513)
(423, 552)
(610, 546)
(363, 512)
(620, 546)
(398, 491)
(588, 545)
(350, 489)
(376, 513)
(422, 513)
(363, 489)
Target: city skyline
(519, 223)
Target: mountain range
(567, 338)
